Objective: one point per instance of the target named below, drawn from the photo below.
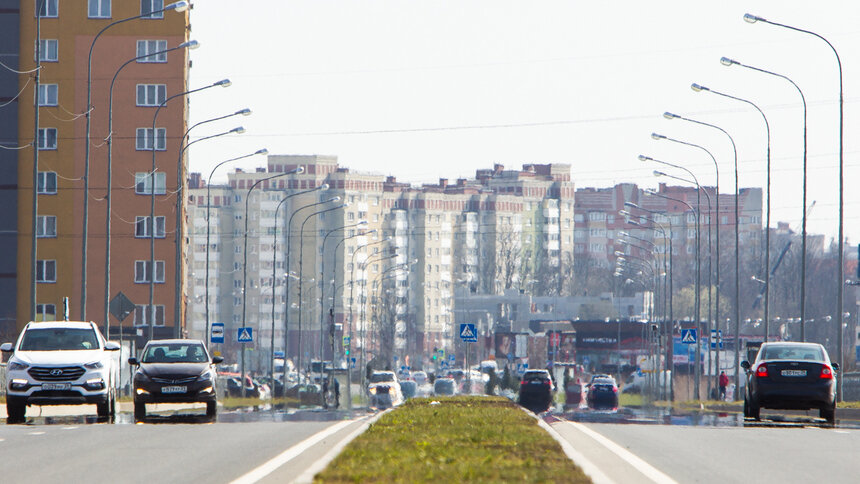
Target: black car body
(603, 393)
(409, 388)
(444, 386)
(536, 390)
(788, 375)
(174, 371)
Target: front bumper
(151, 392)
(20, 386)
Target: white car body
(62, 376)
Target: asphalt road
(177, 448)
(800, 450)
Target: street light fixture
(699, 88)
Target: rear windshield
(536, 376)
(792, 352)
(175, 353)
(59, 339)
(381, 377)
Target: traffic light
(346, 352)
(434, 353)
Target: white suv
(61, 363)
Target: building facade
(53, 122)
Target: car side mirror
(217, 359)
(112, 346)
(745, 365)
(6, 347)
(834, 365)
(133, 361)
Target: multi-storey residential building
(382, 268)
(58, 169)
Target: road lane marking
(37, 433)
(591, 470)
(289, 454)
(645, 468)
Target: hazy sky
(429, 89)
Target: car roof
(174, 341)
(604, 381)
(61, 324)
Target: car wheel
(828, 413)
(139, 411)
(746, 408)
(211, 409)
(754, 409)
(103, 409)
(15, 411)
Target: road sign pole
(242, 359)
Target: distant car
(420, 377)
(174, 371)
(445, 386)
(602, 393)
(384, 390)
(536, 390)
(788, 375)
(409, 388)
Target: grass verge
(488, 439)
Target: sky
(423, 90)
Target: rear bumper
(780, 395)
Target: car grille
(65, 373)
(174, 380)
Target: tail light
(761, 371)
(826, 372)
(614, 389)
(548, 383)
(523, 382)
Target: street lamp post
(193, 44)
(151, 273)
(671, 116)
(208, 225)
(729, 62)
(176, 6)
(699, 88)
(840, 294)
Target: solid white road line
(289, 454)
(590, 469)
(645, 468)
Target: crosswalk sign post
(245, 335)
(469, 335)
(689, 336)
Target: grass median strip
(486, 439)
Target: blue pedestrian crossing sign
(245, 335)
(689, 336)
(468, 333)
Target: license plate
(56, 386)
(175, 389)
(793, 373)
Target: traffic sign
(346, 340)
(217, 333)
(689, 336)
(121, 306)
(352, 362)
(554, 339)
(245, 335)
(452, 358)
(468, 333)
(714, 339)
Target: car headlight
(16, 365)
(372, 390)
(205, 376)
(94, 365)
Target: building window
(142, 273)
(144, 141)
(47, 183)
(48, 94)
(47, 138)
(46, 226)
(149, 48)
(46, 271)
(142, 311)
(46, 312)
(143, 183)
(48, 50)
(98, 8)
(151, 94)
(142, 227)
(49, 8)
(147, 7)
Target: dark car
(409, 388)
(174, 371)
(536, 390)
(796, 376)
(444, 386)
(603, 393)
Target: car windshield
(59, 339)
(793, 352)
(175, 353)
(381, 377)
(529, 376)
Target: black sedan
(536, 390)
(795, 376)
(174, 371)
(603, 392)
